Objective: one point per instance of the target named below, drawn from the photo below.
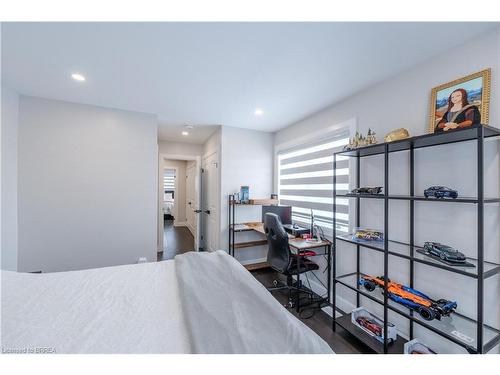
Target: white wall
(213, 144)
(9, 116)
(247, 159)
(87, 186)
(179, 148)
(180, 193)
(403, 101)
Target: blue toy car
(413, 299)
(440, 192)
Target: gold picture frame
(473, 92)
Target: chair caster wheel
(275, 282)
(290, 304)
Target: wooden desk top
(302, 244)
(259, 227)
(295, 242)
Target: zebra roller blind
(169, 180)
(306, 182)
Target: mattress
(123, 309)
(168, 207)
(196, 303)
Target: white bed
(197, 303)
(168, 207)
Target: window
(305, 182)
(168, 184)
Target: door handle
(196, 211)
(207, 212)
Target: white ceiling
(199, 134)
(217, 73)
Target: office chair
(282, 260)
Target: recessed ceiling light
(185, 133)
(78, 77)
(258, 112)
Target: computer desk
(298, 245)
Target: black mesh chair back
(278, 255)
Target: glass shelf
(456, 327)
(419, 198)
(459, 135)
(397, 347)
(402, 250)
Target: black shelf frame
(477, 133)
(232, 244)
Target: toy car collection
(440, 192)
(373, 326)
(411, 298)
(416, 347)
(370, 325)
(444, 252)
(367, 190)
(367, 235)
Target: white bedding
(168, 207)
(197, 303)
(233, 313)
(124, 309)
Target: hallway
(176, 240)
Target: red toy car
(370, 325)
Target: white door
(191, 205)
(210, 191)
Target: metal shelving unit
(486, 337)
(232, 244)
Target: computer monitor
(284, 213)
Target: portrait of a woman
(460, 103)
(460, 113)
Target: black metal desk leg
(297, 302)
(328, 248)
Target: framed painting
(460, 103)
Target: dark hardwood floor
(179, 240)
(176, 240)
(340, 341)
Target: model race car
(371, 325)
(410, 298)
(444, 252)
(368, 235)
(440, 192)
(367, 190)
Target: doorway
(178, 208)
(210, 202)
(169, 185)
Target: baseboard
(180, 224)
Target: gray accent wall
(87, 186)
(10, 110)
